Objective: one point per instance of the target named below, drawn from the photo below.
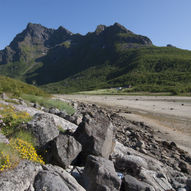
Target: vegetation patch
(48, 103)
(16, 87)
(11, 119)
(21, 143)
(149, 69)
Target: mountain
(61, 61)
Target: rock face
(43, 127)
(95, 134)
(99, 174)
(62, 150)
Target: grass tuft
(48, 103)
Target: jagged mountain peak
(34, 26)
(118, 28)
(64, 30)
(115, 28)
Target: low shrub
(21, 142)
(25, 150)
(10, 119)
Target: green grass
(16, 87)
(25, 136)
(48, 103)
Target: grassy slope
(154, 69)
(17, 87)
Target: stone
(20, 178)
(69, 180)
(63, 150)
(95, 134)
(99, 174)
(183, 166)
(3, 138)
(44, 128)
(4, 96)
(130, 183)
(182, 189)
(188, 184)
(158, 180)
(63, 114)
(49, 181)
(53, 110)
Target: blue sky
(163, 21)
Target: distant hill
(61, 61)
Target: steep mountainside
(108, 57)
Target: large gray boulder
(44, 128)
(132, 184)
(69, 180)
(49, 181)
(95, 133)
(62, 150)
(99, 174)
(20, 178)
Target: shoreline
(169, 116)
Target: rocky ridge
(103, 152)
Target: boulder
(20, 178)
(49, 181)
(69, 180)
(55, 111)
(130, 183)
(44, 128)
(99, 174)
(62, 150)
(95, 133)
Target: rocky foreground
(96, 150)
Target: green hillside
(154, 69)
(17, 87)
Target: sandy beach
(169, 116)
